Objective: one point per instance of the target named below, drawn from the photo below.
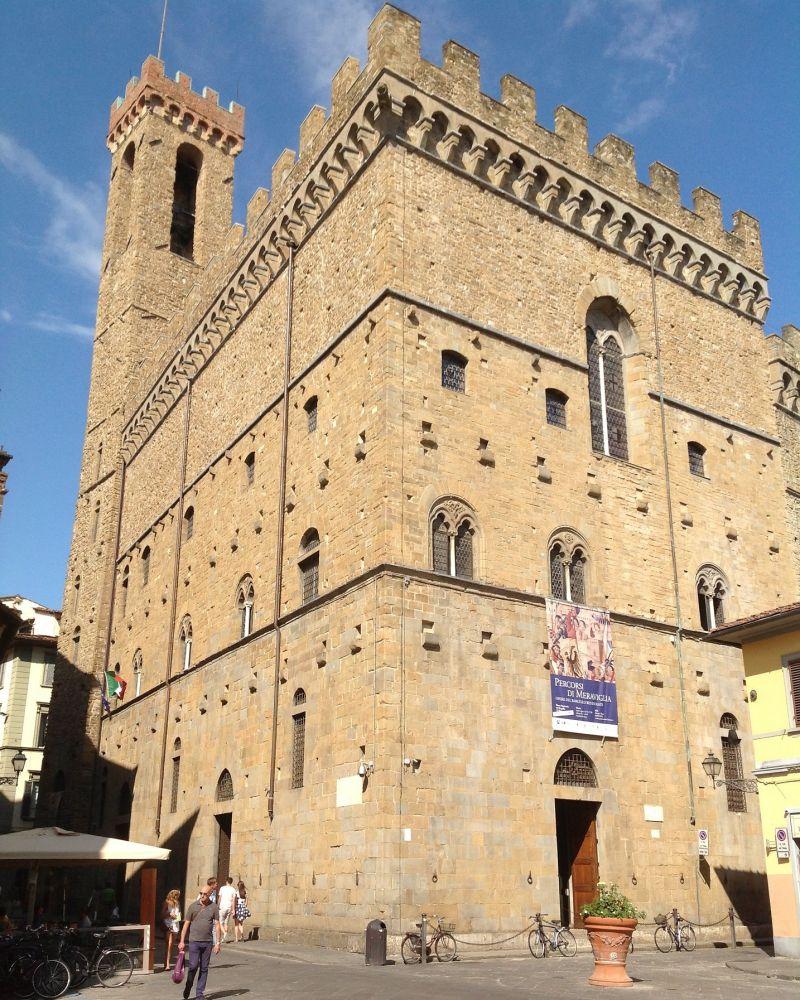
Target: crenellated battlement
(199, 114)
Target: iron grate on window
(441, 545)
(311, 414)
(453, 371)
(575, 768)
(176, 781)
(225, 787)
(557, 582)
(309, 570)
(463, 553)
(577, 578)
(556, 408)
(298, 749)
(733, 771)
(696, 462)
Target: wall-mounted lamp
(365, 767)
(412, 762)
(18, 762)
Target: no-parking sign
(702, 842)
(782, 841)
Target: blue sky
(709, 88)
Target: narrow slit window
(145, 565)
(298, 739)
(250, 469)
(184, 201)
(188, 523)
(309, 566)
(311, 414)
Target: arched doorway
(576, 836)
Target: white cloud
(579, 10)
(641, 114)
(5, 316)
(74, 234)
(322, 34)
(49, 323)
(653, 32)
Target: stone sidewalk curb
(771, 968)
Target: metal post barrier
(423, 931)
(732, 919)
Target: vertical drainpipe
(107, 651)
(674, 560)
(176, 562)
(276, 613)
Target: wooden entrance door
(224, 821)
(576, 831)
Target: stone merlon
(200, 114)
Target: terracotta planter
(610, 938)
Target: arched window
(76, 645)
(310, 407)
(452, 529)
(184, 201)
(137, 673)
(185, 637)
(145, 565)
(76, 594)
(250, 469)
(129, 156)
(712, 592)
(176, 775)
(188, 523)
(556, 407)
(732, 768)
(567, 556)
(245, 596)
(454, 371)
(225, 787)
(607, 326)
(309, 565)
(123, 600)
(575, 768)
(697, 465)
(298, 738)
(96, 520)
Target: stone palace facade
(337, 459)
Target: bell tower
(169, 212)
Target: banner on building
(583, 677)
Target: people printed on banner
(580, 644)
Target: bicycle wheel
(114, 968)
(663, 939)
(51, 978)
(446, 947)
(566, 943)
(536, 943)
(687, 937)
(411, 949)
(78, 965)
(20, 975)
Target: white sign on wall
(782, 842)
(349, 791)
(702, 842)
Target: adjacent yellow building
(771, 650)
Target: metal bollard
(732, 919)
(423, 931)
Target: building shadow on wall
(749, 895)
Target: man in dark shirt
(203, 928)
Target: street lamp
(712, 766)
(18, 762)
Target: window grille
(718, 602)
(607, 397)
(733, 771)
(309, 577)
(556, 407)
(463, 551)
(577, 578)
(441, 544)
(145, 565)
(225, 787)
(558, 583)
(188, 521)
(575, 768)
(250, 468)
(793, 668)
(298, 749)
(176, 784)
(728, 721)
(696, 459)
(299, 697)
(454, 369)
(311, 414)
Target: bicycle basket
(660, 919)
(448, 927)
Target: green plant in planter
(611, 902)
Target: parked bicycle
(548, 936)
(680, 934)
(441, 942)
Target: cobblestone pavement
(279, 972)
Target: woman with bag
(241, 914)
(171, 917)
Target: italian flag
(115, 685)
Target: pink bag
(177, 972)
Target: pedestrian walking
(242, 913)
(201, 926)
(211, 888)
(171, 917)
(227, 906)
